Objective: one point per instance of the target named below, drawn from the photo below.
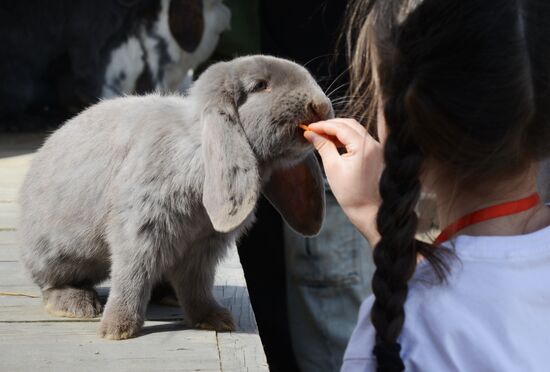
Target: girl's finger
(346, 135)
(324, 146)
(334, 140)
(352, 123)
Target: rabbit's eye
(259, 86)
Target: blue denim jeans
(328, 276)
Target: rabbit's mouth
(300, 145)
(322, 110)
(302, 125)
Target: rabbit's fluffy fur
(148, 187)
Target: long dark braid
(396, 254)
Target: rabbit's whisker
(337, 88)
(317, 57)
(335, 80)
(342, 103)
(343, 98)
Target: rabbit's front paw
(218, 319)
(119, 326)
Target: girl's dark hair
(463, 83)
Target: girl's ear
(298, 193)
(231, 180)
(186, 22)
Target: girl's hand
(353, 176)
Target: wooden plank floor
(33, 340)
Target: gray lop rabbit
(157, 187)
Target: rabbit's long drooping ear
(231, 183)
(298, 194)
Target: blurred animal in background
(62, 56)
(162, 54)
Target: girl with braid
(460, 91)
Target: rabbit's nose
(321, 109)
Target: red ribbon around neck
(489, 213)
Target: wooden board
(9, 252)
(8, 193)
(8, 237)
(241, 352)
(76, 347)
(8, 216)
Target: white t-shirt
(492, 315)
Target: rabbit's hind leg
(67, 279)
(72, 302)
(67, 286)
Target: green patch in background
(244, 36)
